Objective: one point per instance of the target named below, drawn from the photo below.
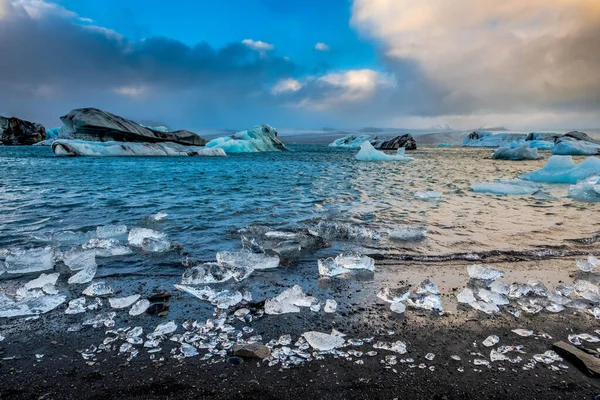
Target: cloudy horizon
(345, 64)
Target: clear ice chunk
(85, 275)
(397, 347)
(123, 302)
(139, 307)
(427, 287)
(98, 289)
(103, 319)
(137, 236)
(393, 295)
(588, 265)
(548, 357)
(29, 305)
(483, 273)
(500, 287)
(223, 299)
(42, 281)
(164, 329)
(247, 260)
(205, 273)
(32, 260)
(330, 306)
(492, 297)
(156, 245)
(76, 306)
(323, 341)
(466, 296)
(408, 233)
(491, 341)
(344, 263)
(523, 332)
(430, 302)
(107, 247)
(77, 259)
(488, 308)
(587, 290)
(398, 307)
(289, 301)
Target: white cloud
(490, 56)
(286, 86)
(258, 45)
(131, 91)
(321, 47)
(39, 8)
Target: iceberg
(32, 260)
(257, 139)
(350, 141)
(586, 190)
(503, 188)
(65, 147)
(521, 152)
(575, 148)
(488, 139)
(344, 263)
(562, 169)
(368, 153)
(541, 144)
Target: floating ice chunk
(466, 296)
(343, 230)
(64, 147)
(502, 188)
(107, 247)
(155, 245)
(123, 302)
(350, 141)
(103, 319)
(575, 148)
(397, 347)
(32, 260)
(398, 307)
(393, 295)
(76, 306)
(85, 275)
(158, 217)
(323, 341)
(206, 273)
(369, 153)
(491, 341)
(492, 297)
(408, 233)
(289, 301)
(109, 231)
(523, 332)
(33, 304)
(98, 289)
(330, 306)
(77, 259)
(588, 265)
(477, 271)
(42, 281)
(586, 190)
(247, 260)
(432, 195)
(562, 169)
(164, 329)
(345, 263)
(256, 139)
(521, 152)
(137, 236)
(139, 308)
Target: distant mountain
(371, 130)
(441, 127)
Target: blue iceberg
(522, 151)
(257, 139)
(369, 153)
(350, 141)
(562, 169)
(586, 190)
(64, 147)
(576, 148)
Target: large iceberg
(257, 139)
(350, 141)
(368, 153)
(488, 139)
(520, 152)
(15, 131)
(113, 149)
(575, 148)
(354, 141)
(506, 187)
(586, 190)
(562, 169)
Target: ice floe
(369, 153)
(586, 189)
(575, 148)
(521, 152)
(562, 169)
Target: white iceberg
(503, 188)
(575, 148)
(257, 139)
(350, 141)
(586, 190)
(117, 149)
(369, 153)
(32, 260)
(488, 139)
(562, 169)
(344, 263)
(521, 152)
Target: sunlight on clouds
(286, 85)
(258, 45)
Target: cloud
(321, 47)
(258, 45)
(492, 57)
(286, 85)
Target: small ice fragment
(76, 306)
(77, 258)
(98, 289)
(431, 195)
(123, 302)
(188, 350)
(426, 302)
(344, 263)
(109, 231)
(289, 301)
(323, 341)
(588, 265)
(398, 307)
(164, 329)
(466, 296)
(137, 236)
(492, 297)
(32, 260)
(42, 280)
(156, 245)
(480, 272)
(102, 319)
(158, 217)
(479, 361)
(491, 340)
(548, 357)
(455, 357)
(397, 347)
(85, 275)
(430, 356)
(330, 306)
(139, 308)
(427, 287)
(522, 332)
(393, 295)
(247, 260)
(589, 338)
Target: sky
(305, 64)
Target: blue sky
(232, 64)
